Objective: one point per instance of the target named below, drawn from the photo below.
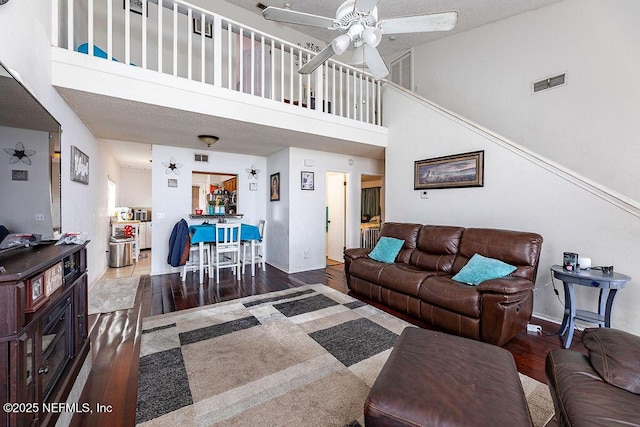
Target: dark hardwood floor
(115, 337)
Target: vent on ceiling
(202, 158)
(261, 6)
(550, 82)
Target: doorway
(371, 209)
(335, 198)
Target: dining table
(206, 233)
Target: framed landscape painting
(456, 171)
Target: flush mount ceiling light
(208, 139)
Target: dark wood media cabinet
(43, 331)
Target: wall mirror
(207, 186)
(30, 158)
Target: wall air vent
(202, 158)
(550, 82)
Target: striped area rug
(305, 356)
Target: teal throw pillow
(480, 268)
(386, 249)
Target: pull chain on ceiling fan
(358, 20)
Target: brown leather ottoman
(435, 379)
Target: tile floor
(143, 266)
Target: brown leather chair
(601, 388)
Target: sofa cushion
(368, 269)
(443, 292)
(517, 248)
(436, 247)
(386, 249)
(480, 268)
(402, 231)
(615, 355)
(405, 278)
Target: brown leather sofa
(419, 282)
(598, 389)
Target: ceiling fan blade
(366, 6)
(317, 60)
(375, 63)
(419, 23)
(292, 17)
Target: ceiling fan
(358, 20)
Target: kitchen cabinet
(41, 352)
(230, 184)
(144, 238)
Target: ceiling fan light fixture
(208, 139)
(341, 43)
(372, 36)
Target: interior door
(335, 199)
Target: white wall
(172, 204)
(590, 125)
(28, 26)
(279, 212)
(517, 194)
(307, 219)
(135, 188)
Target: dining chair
(199, 259)
(227, 245)
(257, 249)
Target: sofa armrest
(351, 254)
(354, 253)
(506, 285)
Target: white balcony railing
(168, 39)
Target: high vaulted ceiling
(471, 14)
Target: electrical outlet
(161, 215)
(424, 194)
(306, 253)
(39, 217)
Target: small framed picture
(35, 293)
(197, 28)
(135, 6)
(253, 186)
(306, 180)
(79, 166)
(172, 183)
(19, 175)
(274, 193)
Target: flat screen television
(30, 197)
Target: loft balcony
(148, 73)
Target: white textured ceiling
(471, 14)
(115, 120)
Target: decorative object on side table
(79, 166)
(570, 261)
(456, 171)
(306, 179)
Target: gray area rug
(305, 356)
(109, 295)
